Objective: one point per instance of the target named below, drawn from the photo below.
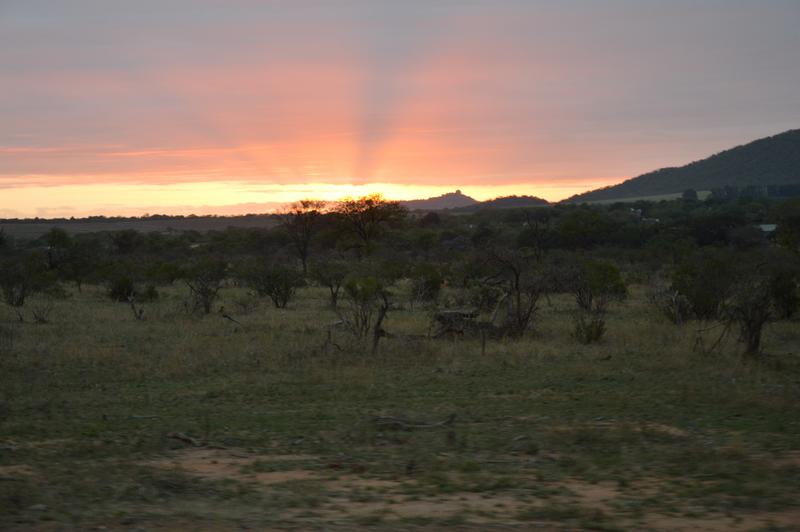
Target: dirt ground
(390, 501)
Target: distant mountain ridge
(770, 161)
(508, 202)
(451, 200)
(461, 202)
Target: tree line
(702, 260)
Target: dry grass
(638, 431)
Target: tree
(595, 285)
(59, 245)
(204, 279)
(126, 241)
(689, 194)
(22, 277)
(276, 281)
(425, 283)
(83, 261)
(582, 228)
(765, 290)
(367, 303)
(300, 220)
(521, 276)
(366, 217)
(331, 274)
(705, 279)
(788, 217)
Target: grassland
(189, 422)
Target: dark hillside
(768, 162)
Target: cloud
(342, 92)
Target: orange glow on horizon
(218, 110)
(224, 198)
(247, 136)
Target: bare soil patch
(785, 520)
(347, 496)
(219, 464)
(11, 472)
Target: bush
(121, 288)
(366, 303)
(204, 279)
(589, 328)
(426, 283)
(705, 279)
(765, 290)
(672, 304)
(484, 298)
(22, 277)
(595, 285)
(331, 275)
(276, 281)
(750, 307)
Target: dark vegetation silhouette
(734, 262)
(764, 167)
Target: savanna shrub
(426, 283)
(589, 328)
(276, 281)
(671, 303)
(204, 279)
(121, 288)
(366, 303)
(705, 279)
(596, 284)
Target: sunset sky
(178, 106)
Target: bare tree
(521, 277)
(300, 220)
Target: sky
(115, 107)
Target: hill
(462, 203)
(508, 202)
(451, 200)
(771, 161)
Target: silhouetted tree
(300, 220)
(366, 217)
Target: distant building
(768, 228)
